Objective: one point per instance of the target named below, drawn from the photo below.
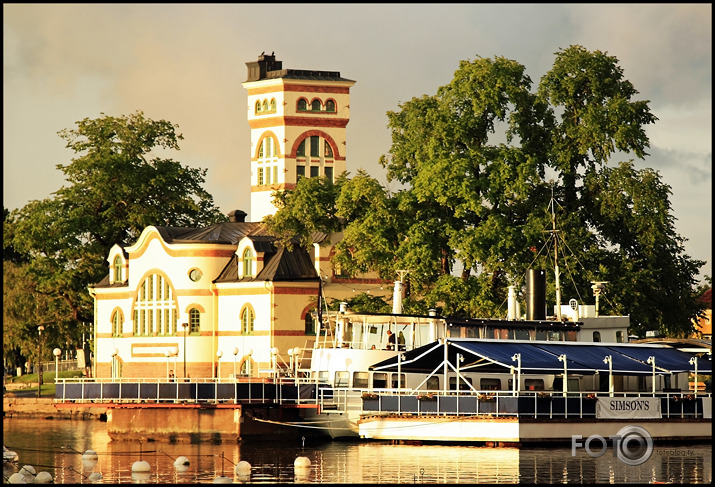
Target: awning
(539, 357)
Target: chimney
(397, 298)
(237, 216)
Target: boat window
(433, 383)
(572, 336)
(554, 336)
(596, 336)
(379, 380)
(360, 379)
(534, 384)
(323, 376)
(540, 335)
(619, 336)
(490, 384)
(501, 333)
(342, 378)
(463, 386)
(521, 334)
(394, 381)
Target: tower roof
(267, 67)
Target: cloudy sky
(185, 64)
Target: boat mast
(556, 256)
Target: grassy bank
(48, 381)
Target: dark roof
(707, 298)
(279, 265)
(543, 357)
(225, 232)
(305, 74)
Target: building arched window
(117, 323)
(302, 105)
(273, 104)
(596, 336)
(265, 105)
(330, 106)
(301, 149)
(155, 307)
(248, 317)
(315, 105)
(267, 162)
(118, 269)
(258, 106)
(247, 263)
(328, 150)
(194, 320)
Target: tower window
(328, 150)
(302, 105)
(301, 149)
(300, 171)
(330, 106)
(273, 104)
(265, 105)
(258, 106)
(329, 173)
(314, 171)
(315, 105)
(314, 146)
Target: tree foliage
(117, 186)
(495, 174)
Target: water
(55, 446)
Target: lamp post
(57, 352)
(517, 387)
(460, 359)
(249, 352)
(562, 358)
(40, 329)
(274, 359)
(185, 326)
(114, 363)
(651, 360)
(694, 361)
(219, 354)
(166, 354)
(609, 360)
(235, 354)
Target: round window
(195, 275)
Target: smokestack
(397, 298)
(536, 295)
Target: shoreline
(44, 408)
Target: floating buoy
(141, 476)
(9, 455)
(95, 477)
(89, 455)
(222, 480)
(181, 462)
(141, 466)
(43, 478)
(301, 462)
(29, 472)
(17, 478)
(243, 467)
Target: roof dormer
(118, 265)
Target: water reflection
(58, 446)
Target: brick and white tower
(298, 119)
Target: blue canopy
(488, 355)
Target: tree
(117, 187)
(495, 175)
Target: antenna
(556, 253)
(598, 287)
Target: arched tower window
(273, 104)
(267, 162)
(155, 307)
(315, 105)
(302, 105)
(247, 263)
(118, 269)
(248, 317)
(258, 106)
(330, 106)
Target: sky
(185, 63)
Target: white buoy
(243, 467)
(17, 478)
(9, 455)
(222, 480)
(29, 472)
(141, 466)
(301, 462)
(95, 477)
(89, 455)
(181, 462)
(141, 477)
(43, 478)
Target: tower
(298, 119)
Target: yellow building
(224, 299)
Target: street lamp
(166, 354)
(40, 329)
(517, 358)
(609, 360)
(114, 363)
(694, 361)
(651, 360)
(185, 326)
(219, 354)
(460, 359)
(57, 352)
(235, 354)
(249, 352)
(274, 359)
(562, 358)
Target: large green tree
(118, 184)
(499, 178)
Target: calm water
(55, 446)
